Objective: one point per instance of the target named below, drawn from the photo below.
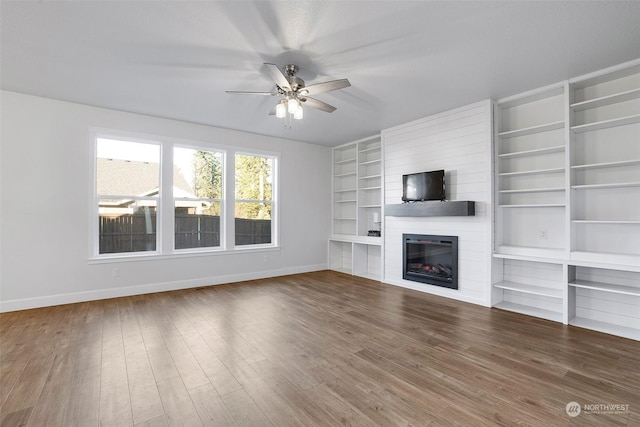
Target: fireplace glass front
(431, 259)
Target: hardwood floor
(317, 349)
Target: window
(197, 195)
(253, 199)
(127, 191)
(159, 197)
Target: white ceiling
(405, 59)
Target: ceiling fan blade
(273, 110)
(241, 92)
(318, 105)
(277, 76)
(324, 87)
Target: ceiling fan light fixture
(294, 92)
(292, 105)
(281, 109)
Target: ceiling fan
(294, 93)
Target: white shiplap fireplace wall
(458, 141)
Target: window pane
(127, 225)
(126, 168)
(253, 223)
(197, 224)
(197, 173)
(253, 184)
(254, 177)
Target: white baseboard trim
(74, 297)
(441, 292)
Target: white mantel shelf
(434, 208)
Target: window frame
(165, 210)
(275, 159)
(95, 199)
(221, 200)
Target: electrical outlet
(115, 272)
(542, 234)
(266, 259)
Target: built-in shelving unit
(341, 256)
(605, 172)
(604, 261)
(357, 208)
(369, 185)
(345, 190)
(530, 287)
(605, 299)
(530, 170)
(567, 174)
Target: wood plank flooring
(316, 349)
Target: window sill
(107, 259)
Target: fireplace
(430, 259)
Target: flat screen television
(417, 187)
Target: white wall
(46, 181)
(458, 141)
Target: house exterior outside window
(127, 192)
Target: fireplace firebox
(430, 259)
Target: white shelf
(604, 221)
(345, 201)
(533, 190)
(607, 164)
(532, 172)
(532, 96)
(370, 162)
(529, 289)
(369, 240)
(345, 161)
(606, 75)
(606, 100)
(371, 176)
(620, 121)
(627, 262)
(352, 238)
(344, 219)
(540, 205)
(607, 328)
(371, 188)
(526, 253)
(530, 311)
(608, 185)
(342, 175)
(538, 151)
(369, 150)
(606, 287)
(370, 206)
(377, 147)
(532, 130)
(345, 238)
(346, 190)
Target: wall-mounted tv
(417, 187)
